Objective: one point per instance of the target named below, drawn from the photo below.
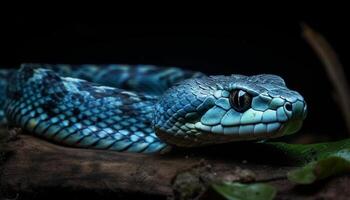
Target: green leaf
(310, 152)
(333, 164)
(239, 191)
(303, 175)
(320, 160)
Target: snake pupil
(240, 100)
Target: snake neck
(78, 113)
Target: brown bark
(35, 168)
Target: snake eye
(240, 100)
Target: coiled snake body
(146, 108)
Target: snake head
(220, 109)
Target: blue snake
(144, 108)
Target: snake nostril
(288, 107)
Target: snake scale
(145, 108)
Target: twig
(333, 67)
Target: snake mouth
(202, 135)
(244, 132)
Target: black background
(246, 48)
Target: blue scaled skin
(147, 109)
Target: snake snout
(296, 110)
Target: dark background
(246, 48)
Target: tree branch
(34, 168)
